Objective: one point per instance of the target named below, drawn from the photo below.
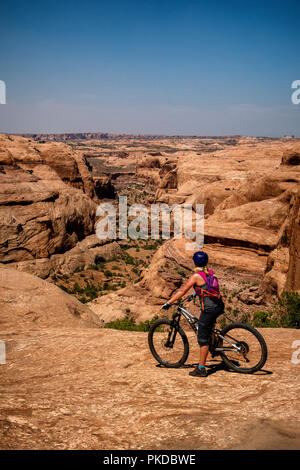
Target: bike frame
(193, 322)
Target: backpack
(212, 282)
(213, 288)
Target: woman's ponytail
(202, 268)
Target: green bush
(235, 313)
(285, 315)
(64, 288)
(77, 289)
(129, 260)
(128, 323)
(90, 291)
(108, 273)
(289, 306)
(263, 319)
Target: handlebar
(189, 298)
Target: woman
(211, 307)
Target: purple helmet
(200, 258)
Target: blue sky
(157, 67)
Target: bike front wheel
(168, 343)
(242, 348)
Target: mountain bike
(240, 346)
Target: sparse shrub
(181, 272)
(235, 312)
(78, 270)
(108, 273)
(289, 306)
(129, 259)
(113, 258)
(77, 289)
(64, 288)
(128, 323)
(245, 318)
(285, 315)
(263, 319)
(222, 322)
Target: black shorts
(206, 322)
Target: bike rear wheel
(168, 343)
(243, 348)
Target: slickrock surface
(65, 388)
(27, 302)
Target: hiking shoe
(198, 372)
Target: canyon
(70, 383)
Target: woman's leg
(203, 355)
(206, 323)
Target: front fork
(173, 330)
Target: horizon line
(139, 135)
